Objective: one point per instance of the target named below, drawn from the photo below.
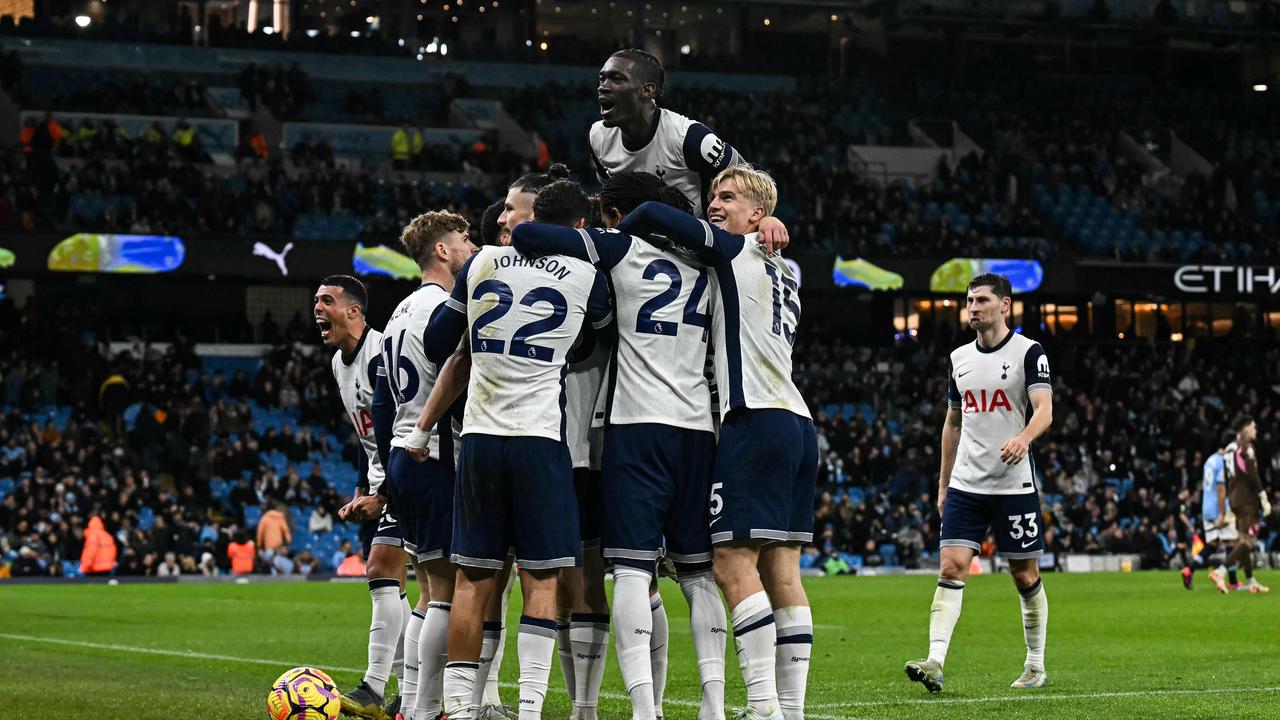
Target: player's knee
(953, 570)
(1024, 575)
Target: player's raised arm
(599, 247)
(449, 323)
(711, 244)
(706, 154)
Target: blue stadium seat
(252, 514)
(146, 518)
(889, 554)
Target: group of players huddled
(608, 380)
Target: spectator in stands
(342, 553)
(99, 555)
(352, 565)
(242, 555)
(321, 521)
(406, 145)
(273, 530)
(170, 567)
(281, 563)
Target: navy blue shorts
(657, 479)
(765, 471)
(515, 492)
(587, 487)
(383, 531)
(967, 516)
(423, 497)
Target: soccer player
(521, 319)
(761, 499)
(339, 312)
(635, 134)
(1214, 512)
(1248, 500)
(657, 459)
(422, 493)
(990, 384)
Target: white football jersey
(410, 375)
(583, 387)
(684, 153)
(356, 376)
(992, 387)
(522, 316)
(662, 306)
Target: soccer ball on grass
(304, 693)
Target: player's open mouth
(715, 217)
(606, 104)
(325, 327)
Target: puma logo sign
(264, 250)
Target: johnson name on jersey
(522, 317)
(992, 387)
(685, 154)
(410, 375)
(356, 375)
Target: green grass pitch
(1120, 646)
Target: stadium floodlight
(1260, 87)
(268, 30)
(82, 20)
(355, 33)
(685, 49)
(312, 32)
(432, 47)
(444, 49)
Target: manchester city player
(521, 319)
(987, 479)
(761, 500)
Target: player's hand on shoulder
(1013, 450)
(773, 235)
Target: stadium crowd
(146, 438)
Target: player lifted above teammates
(339, 313)
(987, 477)
(1247, 498)
(522, 318)
(634, 134)
(766, 461)
(659, 444)
(422, 493)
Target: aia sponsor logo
(983, 401)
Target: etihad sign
(1240, 279)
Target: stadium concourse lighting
(268, 30)
(82, 20)
(312, 32)
(1260, 87)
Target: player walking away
(1214, 512)
(339, 313)
(422, 493)
(766, 462)
(1248, 500)
(522, 318)
(990, 385)
(634, 134)
(657, 454)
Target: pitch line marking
(1033, 696)
(191, 654)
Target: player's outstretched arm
(598, 247)
(451, 382)
(711, 244)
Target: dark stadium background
(1130, 152)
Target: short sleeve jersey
(992, 387)
(356, 375)
(683, 153)
(523, 316)
(1214, 477)
(410, 375)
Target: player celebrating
(657, 465)
(635, 134)
(422, 493)
(1214, 512)
(1248, 500)
(766, 461)
(339, 312)
(523, 318)
(991, 383)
